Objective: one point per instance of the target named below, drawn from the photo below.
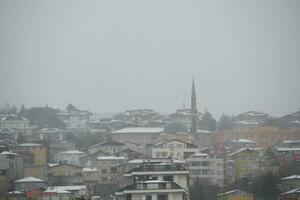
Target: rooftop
(89, 169)
(30, 145)
(111, 158)
(291, 177)
(140, 130)
(29, 179)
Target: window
(128, 197)
(113, 170)
(148, 197)
(168, 178)
(162, 197)
(104, 171)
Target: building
(90, 178)
(240, 143)
(75, 119)
(156, 181)
(77, 191)
(138, 117)
(60, 194)
(52, 135)
(71, 157)
(13, 121)
(60, 147)
(138, 135)
(210, 169)
(293, 194)
(107, 168)
(249, 120)
(290, 182)
(174, 149)
(235, 195)
(33, 154)
(110, 147)
(12, 164)
(246, 163)
(65, 174)
(9, 134)
(30, 183)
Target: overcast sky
(114, 55)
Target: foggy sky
(114, 55)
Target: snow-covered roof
(68, 188)
(50, 130)
(156, 181)
(71, 152)
(53, 164)
(241, 150)
(296, 190)
(296, 122)
(203, 131)
(242, 140)
(110, 158)
(56, 191)
(15, 192)
(89, 169)
(29, 179)
(287, 149)
(290, 141)
(291, 177)
(30, 145)
(246, 123)
(9, 153)
(140, 130)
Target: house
(246, 163)
(290, 182)
(60, 194)
(157, 181)
(33, 153)
(12, 164)
(176, 149)
(77, 191)
(65, 174)
(107, 168)
(3, 182)
(110, 147)
(236, 144)
(52, 135)
(13, 121)
(71, 157)
(235, 195)
(60, 147)
(138, 135)
(90, 178)
(29, 183)
(210, 169)
(75, 119)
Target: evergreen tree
(225, 123)
(207, 122)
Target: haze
(110, 56)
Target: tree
(201, 191)
(175, 127)
(225, 123)
(207, 122)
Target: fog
(110, 56)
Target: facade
(156, 181)
(246, 163)
(90, 178)
(12, 164)
(74, 118)
(107, 168)
(240, 143)
(293, 194)
(33, 154)
(73, 191)
(15, 122)
(174, 149)
(290, 183)
(38, 171)
(138, 135)
(210, 169)
(60, 147)
(53, 135)
(110, 147)
(71, 157)
(65, 174)
(29, 183)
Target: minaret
(194, 110)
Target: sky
(111, 56)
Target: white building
(240, 143)
(51, 134)
(74, 118)
(14, 121)
(173, 149)
(110, 147)
(156, 181)
(207, 168)
(71, 157)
